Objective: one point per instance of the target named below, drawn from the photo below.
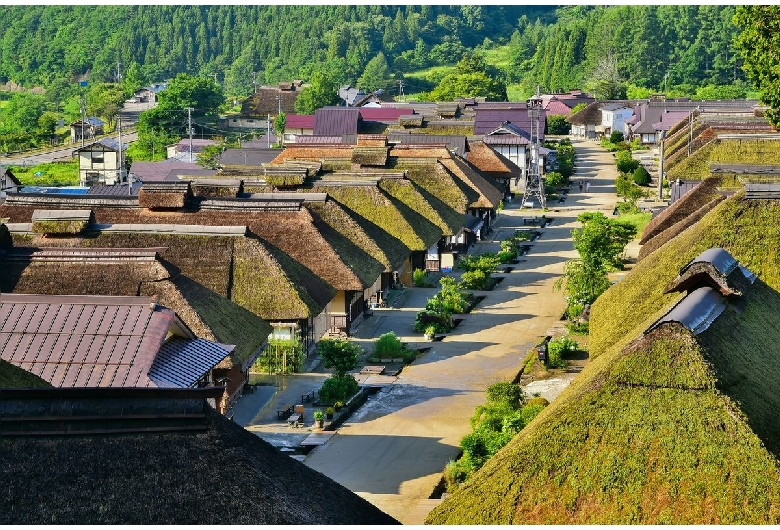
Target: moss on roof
(644, 435)
(448, 221)
(750, 152)
(431, 175)
(390, 214)
(386, 249)
(698, 196)
(748, 229)
(489, 195)
(12, 376)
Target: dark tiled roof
(488, 120)
(180, 362)
(251, 157)
(160, 171)
(336, 121)
(83, 341)
(696, 311)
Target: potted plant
(319, 418)
(430, 332)
(338, 405)
(329, 413)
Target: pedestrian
(580, 186)
(587, 187)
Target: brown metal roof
(87, 341)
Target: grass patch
(51, 174)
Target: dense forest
(555, 48)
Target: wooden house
(101, 162)
(86, 129)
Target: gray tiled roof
(696, 311)
(181, 363)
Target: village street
(393, 449)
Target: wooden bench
(311, 396)
(530, 220)
(372, 370)
(286, 413)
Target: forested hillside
(649, 46)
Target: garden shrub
(558, 348)
(389, 346)
(338, 389)
(625, 162)
(555, 179)
(504, 392)
(506, 256)
(477, 280)
(419, 278)
(441, 321)
(615, 137)
(452, 298)
(641, 176)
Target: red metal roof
(384, 113)
(300, 121)
(91, 341)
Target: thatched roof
(223, 475)
(386, 211)
(57, 222)
(652, 244)
(164, 194)
(689, 203)
(492, 163)
(386, 249)
(118, 271)
(489, 195)
(668, 427)
(728, 150)
(14, 377)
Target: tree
(601, 240)
(558, 125)
(105, 100)
(201, 94)
(758, 43)
(321, 92)
(641, 176)
(605, 81)
(340, 355)
(22, 112)
(376, 75)
(280, 122)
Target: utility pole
(189, 127)
(661, 174)
(401, 89)
(268, 130)
(121, 159)
(279, 100)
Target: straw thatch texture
(161, 199)
(657, 241)
(423, 203)
(369, 156)
(223, 476)
(273, 285)
(662, 431)
(386, 249)
(727, 151)
(748, 230)
(697, 197)
(386, 212)
(489, 195)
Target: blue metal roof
(182, 362)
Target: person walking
(580, 186)
(587, 187)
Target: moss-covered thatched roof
(448, 221)
(727, 151)
(698, 196)
(748, 229)
(489, 195)
(666, 427)
(12, 376)
(27, 270)
(225, 475)
(492, 163)
(384, 210)
(330, 216)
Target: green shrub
(625, 162)
(558, 348)
(486, 261)
(388, 345)
(419, 278)
(281, 356)
(442, 321)
(641, 176)
(616, 137)
(456, 472)
(506, 393)
(555, 179)
(338, 388)
(451, 299)
(505, 256)
(477, 280)
(339, 354)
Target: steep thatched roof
(652, 244)
(223, 475)
(489, 194)
(389, 213)
(697, 197)
(667, 427)
(731, 150)
(331, 217)
(128, 272)
(251, 273)
(492, 163)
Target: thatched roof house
(67, 270)
(672, 422)
(209, 471)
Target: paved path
(393, 450)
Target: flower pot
(429, 336)
(319, 423)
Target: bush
(641, 176)
(389, 346)
(505, 392)
(477, 280)
(451, 299)
(425, 317)
(616, 137)
(625, 162)
(555, 179)
(486, 262)
(338, 389)
(339, 354)
(419, 278)
(558, 348)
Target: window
(97, 158)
